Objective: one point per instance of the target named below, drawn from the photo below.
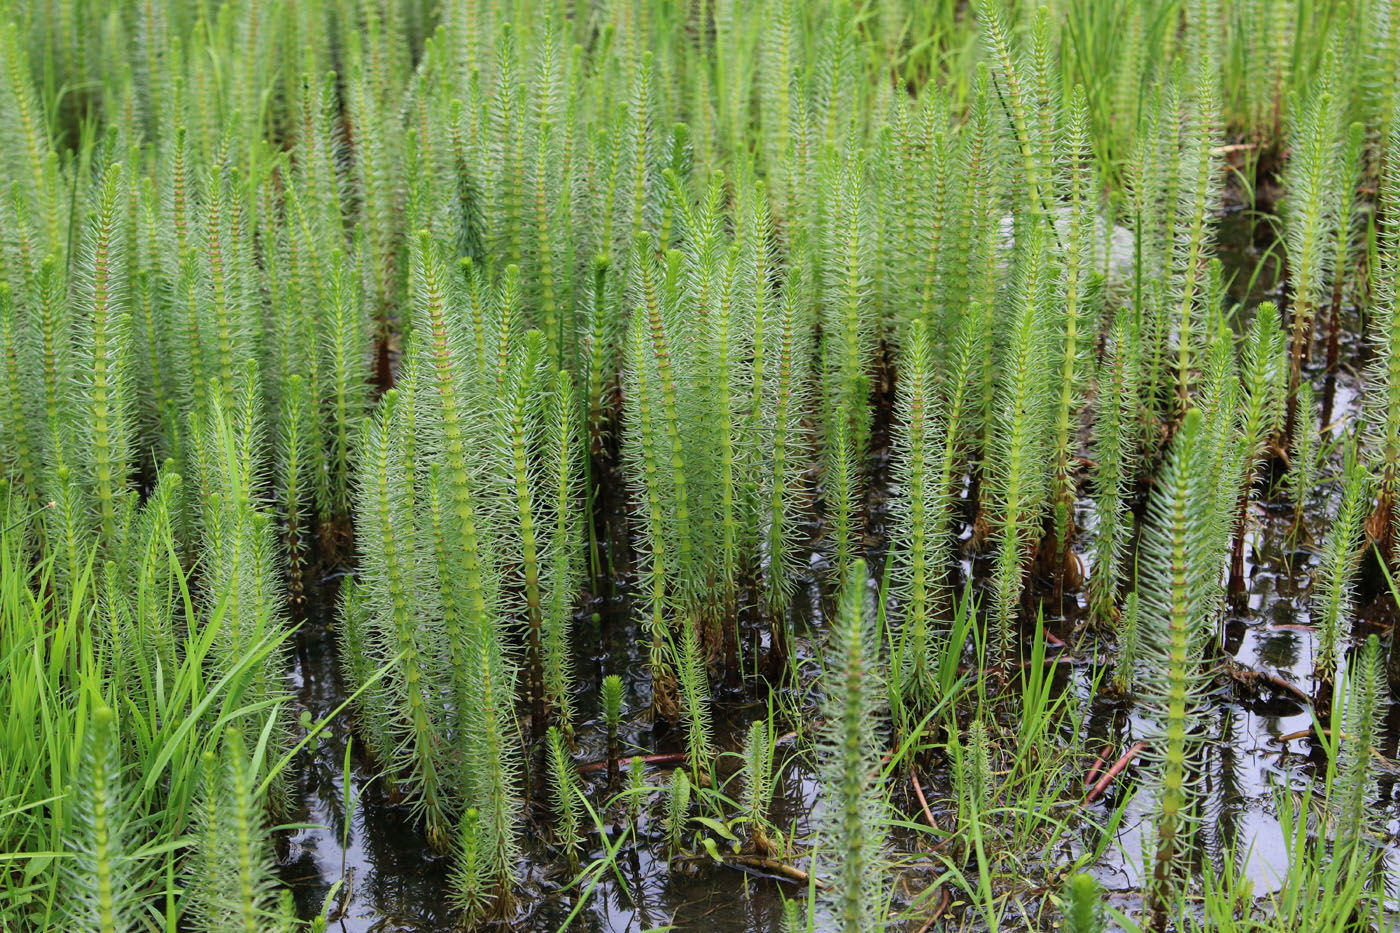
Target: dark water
(392, 881)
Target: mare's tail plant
(239, 554)
(1083, 908)
(1307, 451)
(1354, 785)
(612, 717)
(1382, 401)
(784, 399)
(758, 774)
(1261, 377)
(1340, 556)
(695, 698)
(521, 414)
(1073, 335)
(563, 556)
(565, 792)
(1018, 475)
(398, 627)
(103, 873)
(659, 470)
(854, 827)
(848, 328)
(1115, 404)
(345, 365)
(1129, 644)
(471, 880)
(232, 885)
(1348, 209)
(1178, 593)
(294, 467)
(1200, 186)
(449, 395)
(677, 810)
(101, 416)
(920, 514)
(1311, 218)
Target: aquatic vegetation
(1084, 912)
(1179, 590)
(1114, 449)
(855, 821)
(411, 412)
(1341, 556)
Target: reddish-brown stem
(937, 911)
(1099, 762)
(1113, 771)
(919, 793)
(1237, 581)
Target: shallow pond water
(360, 836)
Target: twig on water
(651, 761)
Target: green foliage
(695, 699)
(1383, 374)
(1084, 905)
(1180, 589)
(1128, 641)
(612, 702)
(758, 775)
(854, 828)
(395, 623)
(101, 881)
(1115, 465)
(233, 841)
(410, 298)
(1261, 379)
(1313, 212)
(1307, 443)
(922, 518)
(471, 875)
(677, 810)
(1018, 474)
(1355, 781)
(100, 420)
(1341, 556)
(111, 792)
(567, 816)
(562, 559)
